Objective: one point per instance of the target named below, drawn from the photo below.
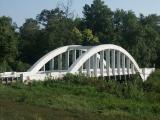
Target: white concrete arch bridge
(93, 61)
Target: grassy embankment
(78, 97)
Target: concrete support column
(92, 66)
(81, 68)
(88, 67)
(101, 63)
(118, 63)
(108, 62)
(44, 68)
(60, 62)
(67, 60)
(113, 61)
(95, 65)
(73, 56)
(91, 62)
(123, 65)
(80, 52)
(132, 68)
(128, 66)
(51, 64)
(98, 61)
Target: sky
(19, 10)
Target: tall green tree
(151, 28)
(98, 18)
(126, 28)
(30, 32)
(59, 30)
(131, 34)
(8, 43)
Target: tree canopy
(140, 35)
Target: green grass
(81, 98)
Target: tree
(89, 38)
(8, 44)
(98, 18)
(77, 36)
(126, 28)
(30, 32)
(59, 30)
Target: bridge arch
(82, 59)
(46, 58)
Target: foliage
(8, 43)
(89, 38)
(80, 96)
(98, 17)
(29, 32)
(21, 47)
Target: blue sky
(19, 10)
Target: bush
(130, 89)
(20, 66)
(4, 66)
(153, 82)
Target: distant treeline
(21, 47)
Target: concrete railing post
(67, 60)
(60, 62)
(108, 62)
(101, 63)
(95, 65)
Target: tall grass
(96, 97)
